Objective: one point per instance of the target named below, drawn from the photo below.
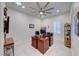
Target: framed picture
(31, 25)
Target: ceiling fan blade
(48, 12)
(46, 5)
(33, 8)
(49, 9)
(38, 5)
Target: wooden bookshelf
(67, 35)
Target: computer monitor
(42, 31)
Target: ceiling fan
(42, 11)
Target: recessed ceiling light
(57, 10)
(23, 6)
(19, 3)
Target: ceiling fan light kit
(42, 11)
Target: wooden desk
(50, 41)
(43, 44)
(35, 41)
(8, 45)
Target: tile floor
(57, 49)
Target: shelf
(67, 35)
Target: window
(57, 27)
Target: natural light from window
(57, 27)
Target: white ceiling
(61, 6)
